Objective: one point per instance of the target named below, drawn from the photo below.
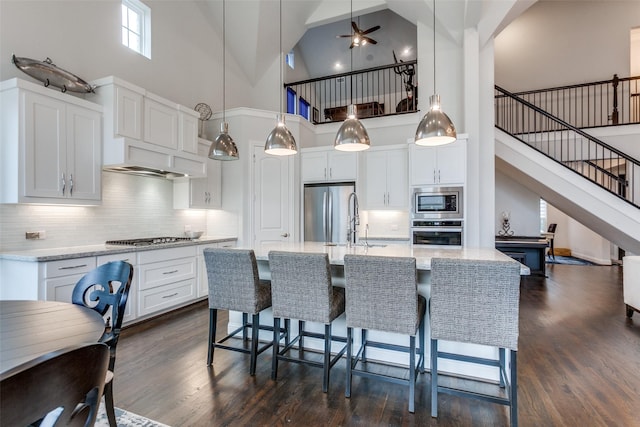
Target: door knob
(285, 235)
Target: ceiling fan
(359, 37)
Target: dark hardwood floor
(578, 365)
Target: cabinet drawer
(162, 273)
(67, 267)
(159, 298)
(129, 257)
(146, 257)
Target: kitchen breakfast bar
(423, 258)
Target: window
(291, 101)
(543, 216)
(303, 108)
(289, 59)
(136, 26)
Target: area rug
(568, 260)
(126, 419)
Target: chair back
(382, 293)
(57, 381)
(552, 228)
(234, 283)
(98, 291)
(475, 301)
(301, 286)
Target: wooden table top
(29, 329)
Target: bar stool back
(382, 295)
(477, 302)
(302, 289)
(234, 285)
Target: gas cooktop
(147, 241)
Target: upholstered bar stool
(382, 295)
(234, 285)
(301, 289)
(476, 302)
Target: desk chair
(551, 234)
(98, 291)
(302, 289)
(382, 295)
(476, 302)
(49, 388)
(234, 284)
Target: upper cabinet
(200, 193)
(445, 164)
(328, 164)
(385, 178)
(51, 146)
(147, 131)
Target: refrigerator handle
(324, 215)
(330, 217)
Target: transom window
(136, 26)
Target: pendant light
(280, 141)
(436, 127)
(352, 135)
(223, 147)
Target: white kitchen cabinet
(445, 164)
(60, 277)
(125, 119)
(166, 278)
(51, 146)
(328, 165)
(385, 180)
(187, 130)
(200, 193)
(160, 122)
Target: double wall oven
(437, 217)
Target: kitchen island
(423, 258)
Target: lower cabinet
(62, 276)
(166, 278)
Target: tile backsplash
(132, 207)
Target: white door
(272, 198)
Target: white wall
(522, 203)
(560, 42)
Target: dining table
(29, 329)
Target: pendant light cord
(434, 46)
(351, 52)
(281, 72)
(224, 119)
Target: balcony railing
(379, 91)
(604, 103)
(584, 154)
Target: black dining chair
(551, 234)
(98, 291)
(59, 388)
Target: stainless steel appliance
(326, 210)
(147, 241)
(437, 202)
(437, 233)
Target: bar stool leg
(412, 374)
(301, 335)
(327, 358)
(245, 320)
(421, 330)
(364, 345)
(513, 389)
(434, 378)
(255, 330)
(213, 322)
(276, 348)
(347, 389)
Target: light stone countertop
(421, 254)
(56, 254)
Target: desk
(29, 329)
(529, 251)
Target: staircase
(594, 183)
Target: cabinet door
(314, 166)
(452, 163)
(45, 169)
(397, 187)
(341, 166)
(84, 153)
(198, 192)
(214, 184)
(128, 114)
(188, 133)
(160, 124)
(423, 165)
(376, 179)
(61, 288)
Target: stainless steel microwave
(437, 202)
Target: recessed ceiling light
(338, 66)
(406, 51)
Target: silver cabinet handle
(285, 234)
(71, 267)
(170, 272)
(434, 175)
(330, 172)
(71, 184)
(64, 183)
(169, 296)
(438, 175)
(325, 172)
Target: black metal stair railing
(582, 153)
(604, 103)
(378, 91)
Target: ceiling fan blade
(371, 30)
(355, 27)
(344, 35)
(369, 40)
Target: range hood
(143, 171)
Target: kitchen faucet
(353, 221)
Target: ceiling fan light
(435, 128)
(280, 141)
(223, 147)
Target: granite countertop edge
(57, 254)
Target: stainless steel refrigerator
(325, 212)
